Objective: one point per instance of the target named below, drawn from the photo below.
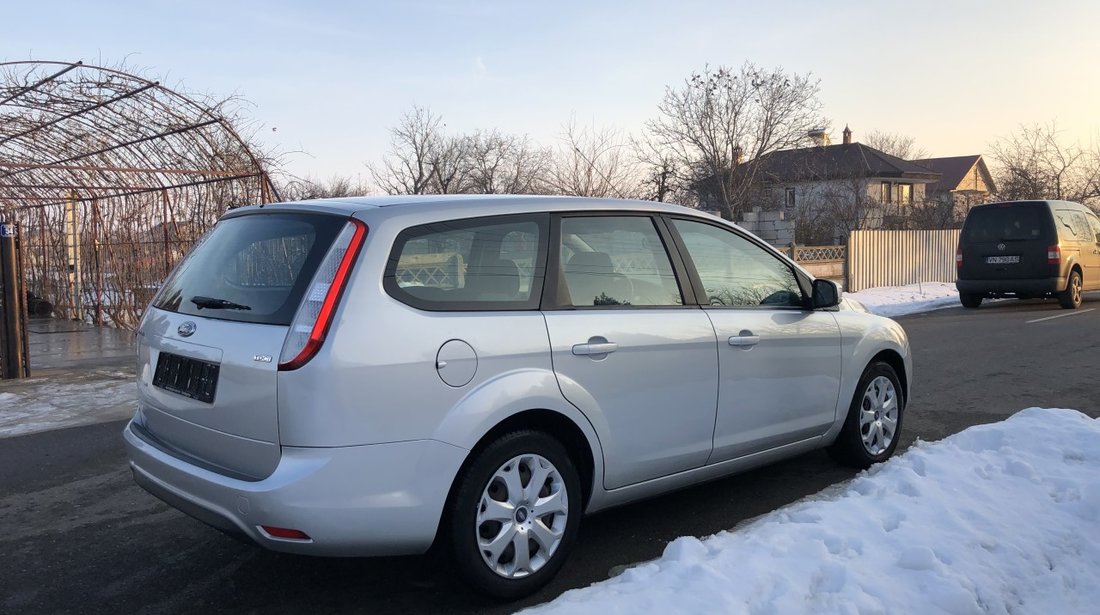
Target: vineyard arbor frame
(111, 177)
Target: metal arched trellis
(111, 177)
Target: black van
(1028, 249)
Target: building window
(886, 195)
(790, 198)
(905, 193)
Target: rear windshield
(251, 268)
(1011, 223)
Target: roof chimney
(847, 135)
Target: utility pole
(14, 359)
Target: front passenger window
(735, 272)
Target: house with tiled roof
(798, 179)
(964, 180)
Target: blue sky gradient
(333, 77)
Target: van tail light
(311, 323)
(1054, 255)
(958, 257)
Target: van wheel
(970, 300)
(514, 517)
(870, 433)
(1070, 298)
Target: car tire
(871, 430)
(1070, 298)
(494, 511)
(970, 300)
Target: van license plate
(186, 376)
(1001, 260)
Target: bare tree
(719, 119)
(898, 145)
(593, 162)
(505, 164)
(663, 179)
(1034, 163)
(304, 189)
(415, 148)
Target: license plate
(1001, 260)
(186, 376)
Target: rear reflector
(311, 323)
(1054, 255)
(284, 533)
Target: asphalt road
(77, 536)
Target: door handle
(744, 339)
(595, 348)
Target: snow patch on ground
(911, 299)
(1000, 518)
(40, 404)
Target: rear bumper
(381, 499)
(1041, 286)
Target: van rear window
(1006, 223)
(252, 268)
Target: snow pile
(902, 300)
(1001, 518)
(39, 404)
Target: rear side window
(252, 268)
(1020, 222)
(1072, 225)
(468, 265)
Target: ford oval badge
(187, 329)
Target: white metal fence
(896, 258)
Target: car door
(779, 363)
(627, 349)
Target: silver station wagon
(372, 376)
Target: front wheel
(1070, 298)
(514, 516)
(870, 433)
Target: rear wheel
(514, 517)
(970, 300)
(870, 433)
(1070, 298)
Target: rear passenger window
(616, 261)
(476, 264)
(1094, 224)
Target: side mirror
(826, 294)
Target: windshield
(251, 268)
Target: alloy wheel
(878, 417)
(522, 516)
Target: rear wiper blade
(217, 304)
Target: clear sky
(333, 77)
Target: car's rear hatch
(1007, 241)
(210, 344)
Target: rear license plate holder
(1002, 260)
(186, 376)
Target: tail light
(311, 323)
(959, 257)
(1054, 255)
